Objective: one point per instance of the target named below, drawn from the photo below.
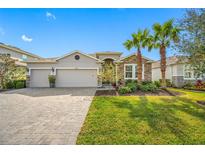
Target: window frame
(133, 71)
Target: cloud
(26, 38)
(2, 32)
(49, 16)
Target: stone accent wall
(133, 60)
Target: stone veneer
(133, 60)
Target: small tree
(6, 65)
(192, 39)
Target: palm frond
(128, 44)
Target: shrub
(124, 90)
(132, 86)
(146, 82)
(143, 88)
(51, 78)
(188, 85)
(128, 81)
(199, 84)
(148, 87)
(9, 85)
(19, 84)
(16, 81)
(157, 83)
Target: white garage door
(39, 78)
(76, 78)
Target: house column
(116, 74)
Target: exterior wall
(133, 60)
(170, 71)
(15, 54)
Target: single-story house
(177, 71)
(78, 69)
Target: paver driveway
(43, 115)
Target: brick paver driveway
(43, 115)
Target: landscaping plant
(124, 90)
(52, 80)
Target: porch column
(116, 74)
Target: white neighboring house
(177, 71)
(20, 56)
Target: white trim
(143, 71)
(133, 72)
(66, 55)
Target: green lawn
(145, 120)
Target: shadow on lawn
(163, 115)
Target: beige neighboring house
(177, 71)
(77, 69)
(20, 56)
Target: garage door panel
(76, 78)
(39, 78)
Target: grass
(145, 120)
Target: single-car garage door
(39, 78)
(76, 78)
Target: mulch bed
(161, 92)
(2, 90)
(201, 102)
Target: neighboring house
(77, 69)
(17, 54)
(177, 71)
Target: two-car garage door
(65, 78)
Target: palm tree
(139, 41)
(163, 36)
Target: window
(24, 57)
(77, 57)
(130, 71)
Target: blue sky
(54, 32)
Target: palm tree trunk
(139, 65)
(163, 64)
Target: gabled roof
(89, 56)
(150, 60)
(18, 50)
(170, 61)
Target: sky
(55, 32)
